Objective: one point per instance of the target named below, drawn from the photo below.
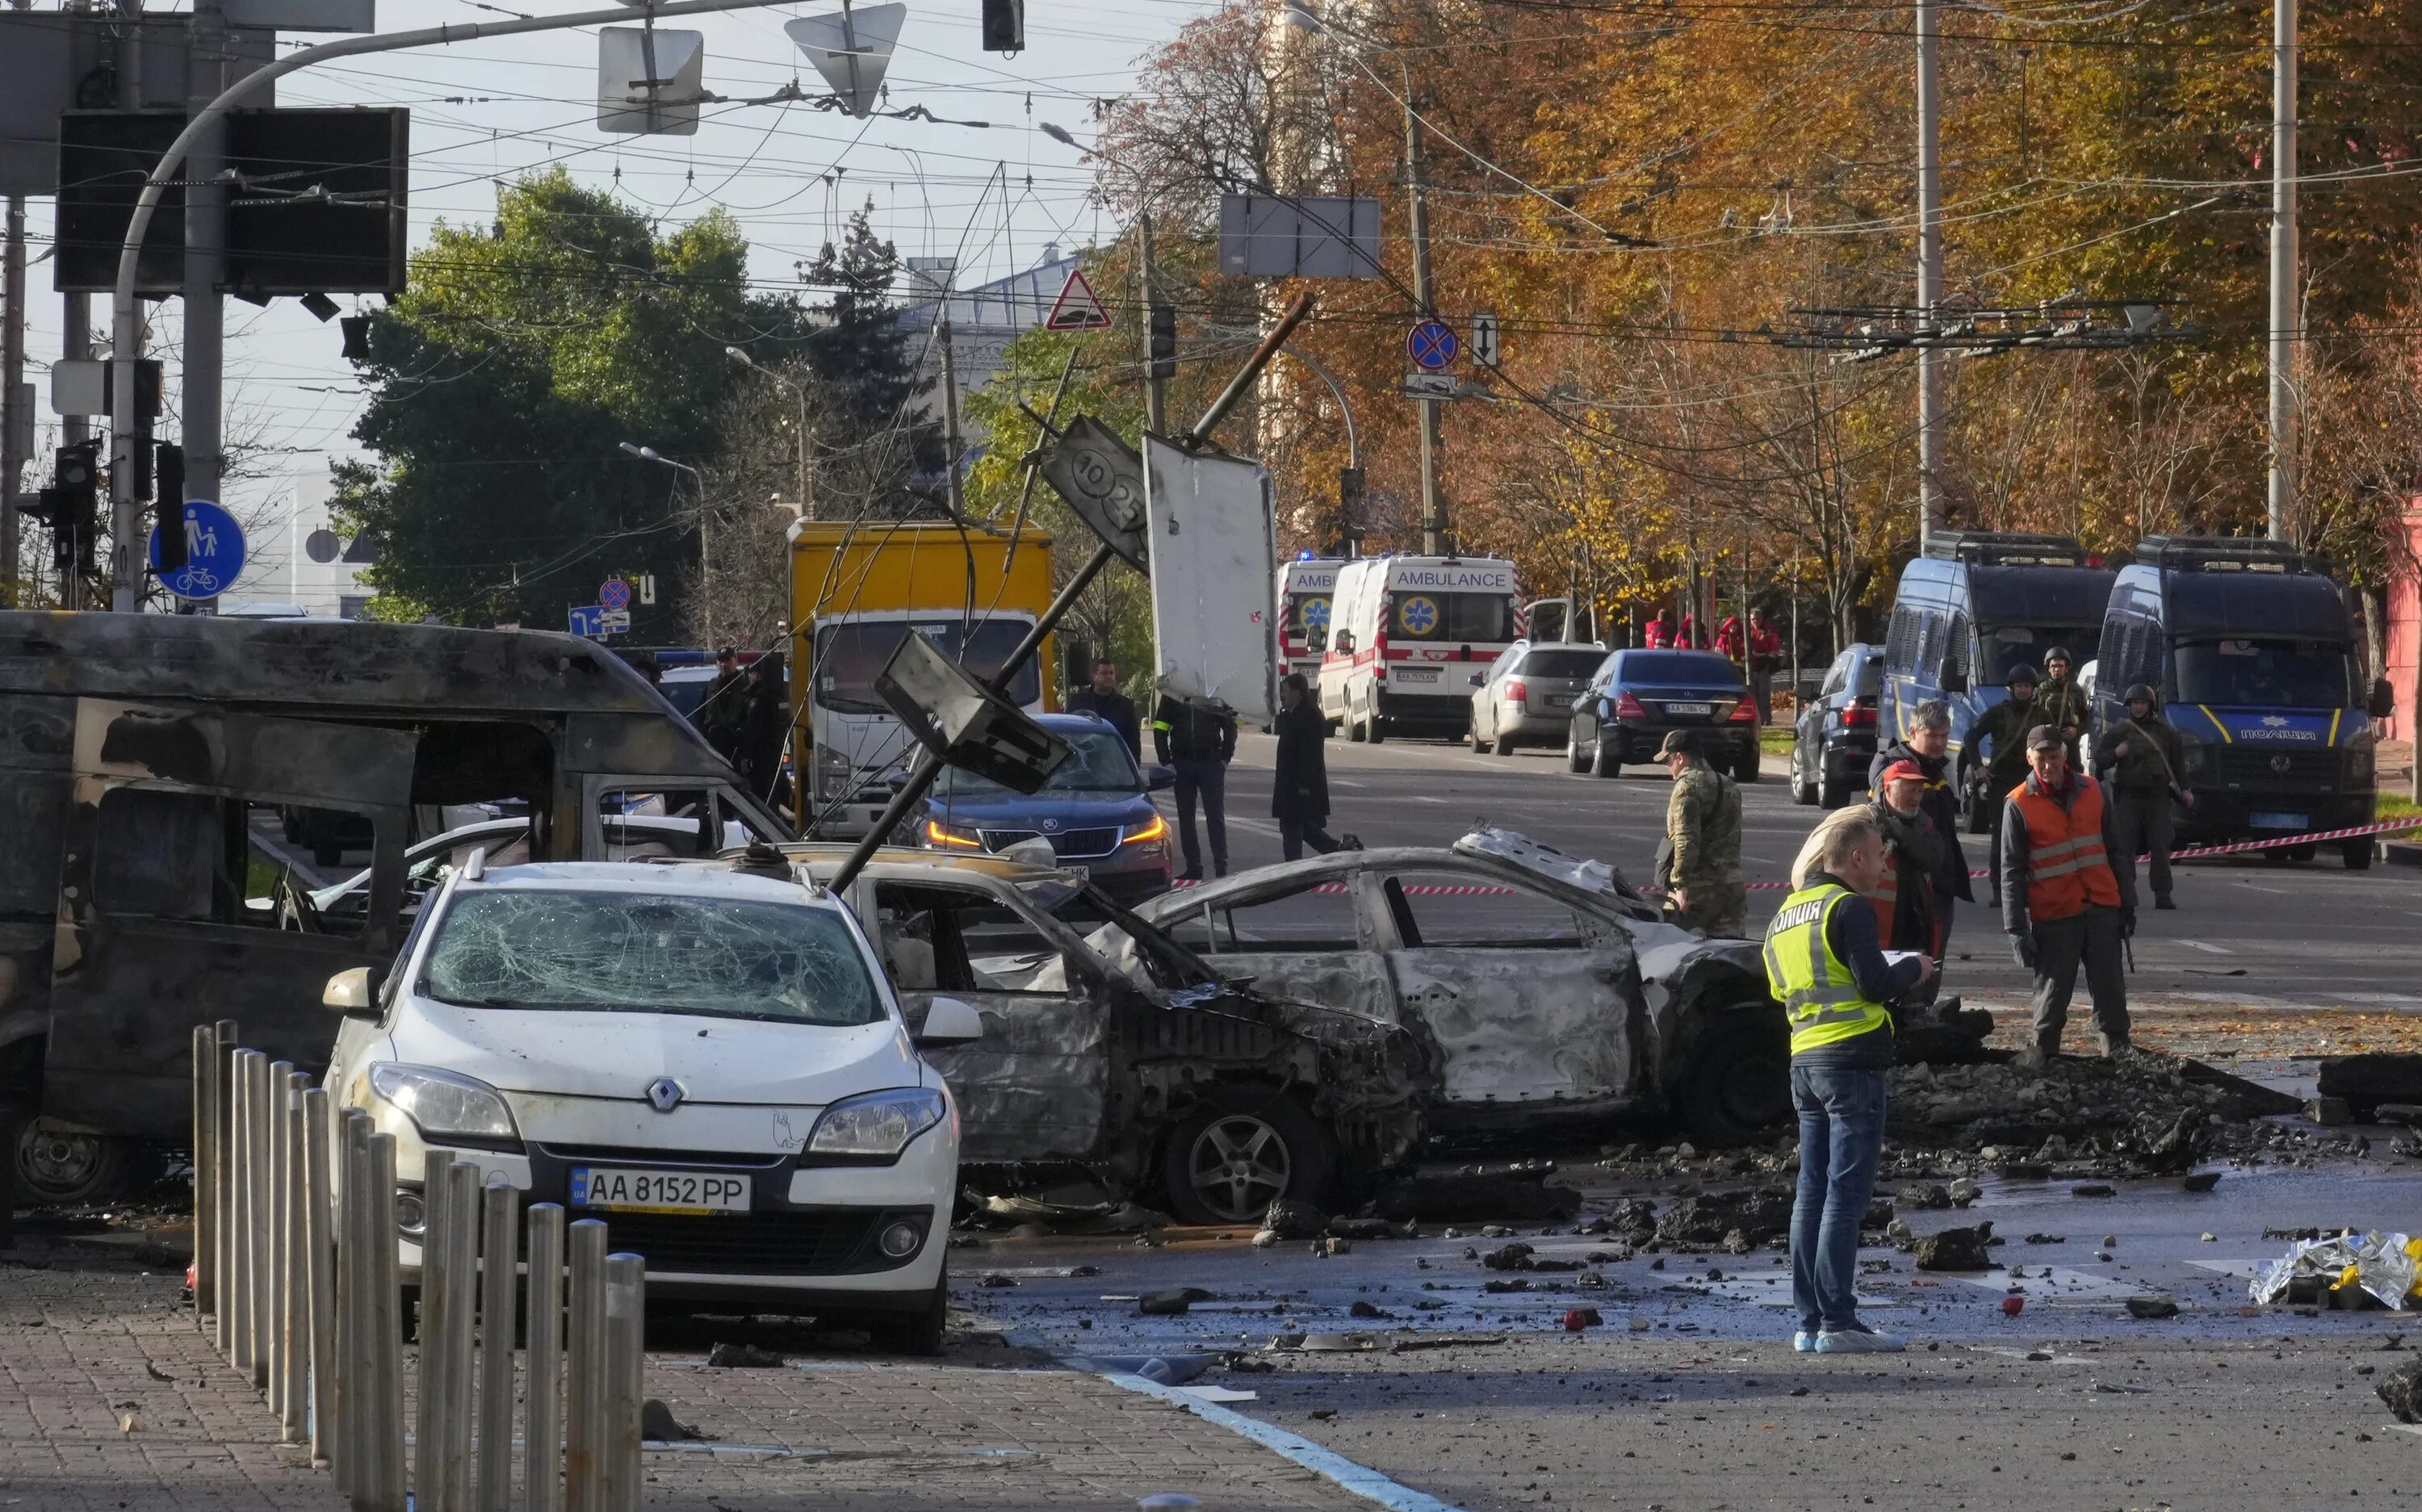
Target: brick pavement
(82, 1331)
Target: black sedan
(1638, 697)
(1834, 740)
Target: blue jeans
(1841, 1145)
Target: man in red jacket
(1765, 659)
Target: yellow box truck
(856, 591)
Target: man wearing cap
(2063, 905)
(1903, 897)
(1700, 862)
(1926, 750)
(2006, 724)
(2060, 702)
(2140, 762)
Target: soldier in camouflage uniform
(1701, 870)
(2008, 722)
(2060, 702)
(2139, 764)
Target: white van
(1401, 632)
(1307, 588)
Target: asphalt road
(2260, 933)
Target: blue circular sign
(614, 594)
(1432, 345)
(214, 552)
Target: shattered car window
(649, 953)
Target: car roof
(896, 861)
(700, 880)
(1337, 865)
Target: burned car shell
(144, 759)
(1114, 1065)
(1624, 1016)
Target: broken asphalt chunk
(1172, 1303)
(2401, 1389)
(742, 1357)
(657, 1423)
(1294, 1220)
(1956, 1248)
(2153, 1307)
(1508, 1258)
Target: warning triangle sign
(1077, 309)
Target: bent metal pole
(126, 554)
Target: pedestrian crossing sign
(1077, 309)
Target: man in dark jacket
(1104, 701)
(1299, 776)
(2060, 702)
(2006, 724)
(2142, 762)
(1927, 747)
(2063, 903)
(724, 706)
(1199, 740)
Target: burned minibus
(182, 792)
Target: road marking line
(1361, 1480)
(2216, 950)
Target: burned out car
(1125, 1057)
(150, 767)
(1556, 997)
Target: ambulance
(1306, 589)
(1407, 636)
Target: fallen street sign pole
(126, 538)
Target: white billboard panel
(1214, 578)
(1299, 236)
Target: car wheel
(1738, 1087)
(1475, 735)
(1832, 791)
(1374, 729)
(2357, 853)
(1749, 765)
(1241, 1149)
(1600, 763)
(1503, 744)
(914, 1333)
(59, 1162)
(1573, 759)
(1354, 731)
(1803, 792)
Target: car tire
(1573, 759)
(1354, 731)
(1749, 764)
(919, 1332)
(1276, 1148)
(1739, 1086)
(1474, 736)
(1503, 745)
(2357, 853)
(1832, 791)
(1374, 728)
(61, 1163)
(1802, 791)
(1600, 765)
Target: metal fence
(297, 1271)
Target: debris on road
(744, 1357)
(1578, 1318)
(2401, 1389)
(2342, 1270)
(1956, 1248)
(1166, 1370)
(1038, 1216)
(2153, 1307)
(657, 1425)
(2145, 1111)
(1172, 1303)
(2362, 1082)
(1445, 1341)
(1477, 1194)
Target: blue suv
(1095, 812)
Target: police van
(1306, 589)
(1402, 629)
(2255, 655)
(1977, 604)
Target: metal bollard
(500, 1247)
(222, 1184)
(626, 1354)
(455, 1343)
(240, 1350)
(273, 1237)
(320, 1271)
(543, 1431)
(206, 1218)
(294, 1276)
(261, 1278)
(383, 1411)
(354, 1278)
(584, 1419)
(429, 1436)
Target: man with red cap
(1903, 898)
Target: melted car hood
(586, 1054)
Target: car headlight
(1152, 828)
(445, 1104)
(939, 836)
(878, 1123)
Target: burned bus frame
(138, 751)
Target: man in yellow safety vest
(1834, 983)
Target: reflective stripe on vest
(1820, 997)
(2068, 871)
(1884, 899)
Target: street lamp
(806, 496)
(705, 564)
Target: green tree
(860, 349)
(502, 384)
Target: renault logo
(2280, 764)
(664, 1094)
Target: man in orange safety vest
(2063, 903)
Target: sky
(485, 111)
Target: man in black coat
(1299, 778)
(1104, 701)
(1928, 745)
(1199, 740)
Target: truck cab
(1977, 604)
(2255, 655)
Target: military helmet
(2141, 690)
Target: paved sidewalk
(87, 1423)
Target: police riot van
(1976, 605)
(2255, 655)
(1307, 587)
(1401, 630)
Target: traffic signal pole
(1437, 538)
(127, 538)
(205, 308)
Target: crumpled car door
(1529, 1020)
(1298, 942)
(154, 931)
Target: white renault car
(707, 1056)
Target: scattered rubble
(2362, 1082)
(744, 1357)
(2153, 1307)
(1171, 1303)
(1955, 1249)
(2401, 1389)
(1477, 1193)
(2343, 1271)
(2142, 1111)
(657, 1425)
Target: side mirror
(2384, 700)
(1955, 680)
(1157, 776)
(351, 991)
(1342, 641)
(949, 1021)
(1477, 680)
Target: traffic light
(71, 507)
(1350, 507)
(172, 506)
(357, 329)
(1164, 340)
(1004, 26)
